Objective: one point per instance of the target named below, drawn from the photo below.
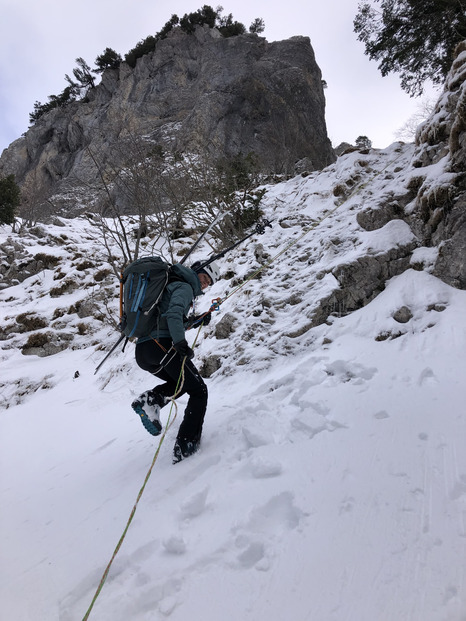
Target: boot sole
(153, 427)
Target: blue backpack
(141, 287)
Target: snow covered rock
(441, 159)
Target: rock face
(434, 202)
(440, 204)
(202, 91)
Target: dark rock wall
(195, 92)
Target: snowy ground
(331, 483)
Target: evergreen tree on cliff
(415, 38)
(9, 199)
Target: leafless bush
(148, 191)
(35, 206)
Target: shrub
(31, 322)
(48, 260)
(58, 312)
(67, 285)
(101, 274)
(257, 26)
(142, 48)
(10, 197)
(55, 101)
(84, 265)
(206, 15)
(363, 142)
(39, 339)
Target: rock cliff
(439, 213)
(194, 92)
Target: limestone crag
(440, 206)
(433, 202)
(202, 91)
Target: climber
(166, 354)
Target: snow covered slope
(331, 482)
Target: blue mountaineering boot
(148, 406)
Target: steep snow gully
(331, 481)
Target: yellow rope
(170, 422)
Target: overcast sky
(40, 41)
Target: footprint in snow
(253, 554)
(427, 378)
(459, 489)
(255, 437)
(309, 425)
(262, 468)
(342, 371)
(194, 505)
(168, 605)
(310, 428)
(316, 407)
(346, 505)
(196, 466)
(267, 523)
(174, 545)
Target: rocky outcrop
(195, 92)
(434, 201)
(439, 215)
(362, 280)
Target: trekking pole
(259, 230)
(110, 352)
(201, 237)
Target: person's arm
(180, 301)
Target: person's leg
(150, 356)
(190, 430)
(178, 380)
(194, 385)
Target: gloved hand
(196, 320)
(205, 319)
(183, 349)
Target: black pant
(149, 356)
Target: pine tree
(10, 197)
(109, 59)
(415, 38)
(83, 74)
(363, 142)
(257, 26)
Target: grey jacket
(175, 304)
